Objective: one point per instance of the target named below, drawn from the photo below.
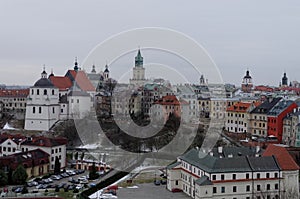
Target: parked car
(157, 182)
(56, 177)
(163, 181)
(175, 190)
(40, 186)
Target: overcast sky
(263, 36)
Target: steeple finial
(76, 65)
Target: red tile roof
(63, 83)
(82, 80)
(168, 100)
(45, 141)
(285, 160)
(14, 93)
(241, 106)
(27, 159)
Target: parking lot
(70, 180)
(149, 191)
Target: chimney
(220, 149)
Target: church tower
(43, 108)
(106, 73)
(284, 80)
(138, 70)
(247, 83)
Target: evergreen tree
(57, 166)
(19, 176)
(76, 156)
(3, 178)
(93, 172)
(82, 156)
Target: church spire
(139, 59)
(44, 74)
(93, 69)
(76, 65)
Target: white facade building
(218, 176)
(55, 147)
(43, 107)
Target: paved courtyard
(149, 191)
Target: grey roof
(265, 107)
(280, 107)
(204, 180)
(267, 163)
(43, 83)
(235, 151)
(78, 93)
(171, 166)
(213, 164)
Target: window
(214, 189)
(258, 187)
(258, 175)
(53, 110)
(276, 175)
(37, 92)
(248, 188)
(4, 148)
(247, 175)
(176, 182)
(77, 101)
(222, 177)
(33, 110)
(40, 109)
(32, 91)
(52, 92)
(45, 91)
(234, 189)
(233, 176)
(214, 177)
(268, 175)
(268, 186)
(276, 186)
(52, 151)
(222, 189)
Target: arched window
(37, 91)
(52, 91)
(32, 91)
(45, 91)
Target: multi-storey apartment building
(276, 116)
(14, 101)
(290, 127)
(289, 168)
(238, 117)
(55, 147)
(258, 117)
(208, 176)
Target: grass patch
(62, 194)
